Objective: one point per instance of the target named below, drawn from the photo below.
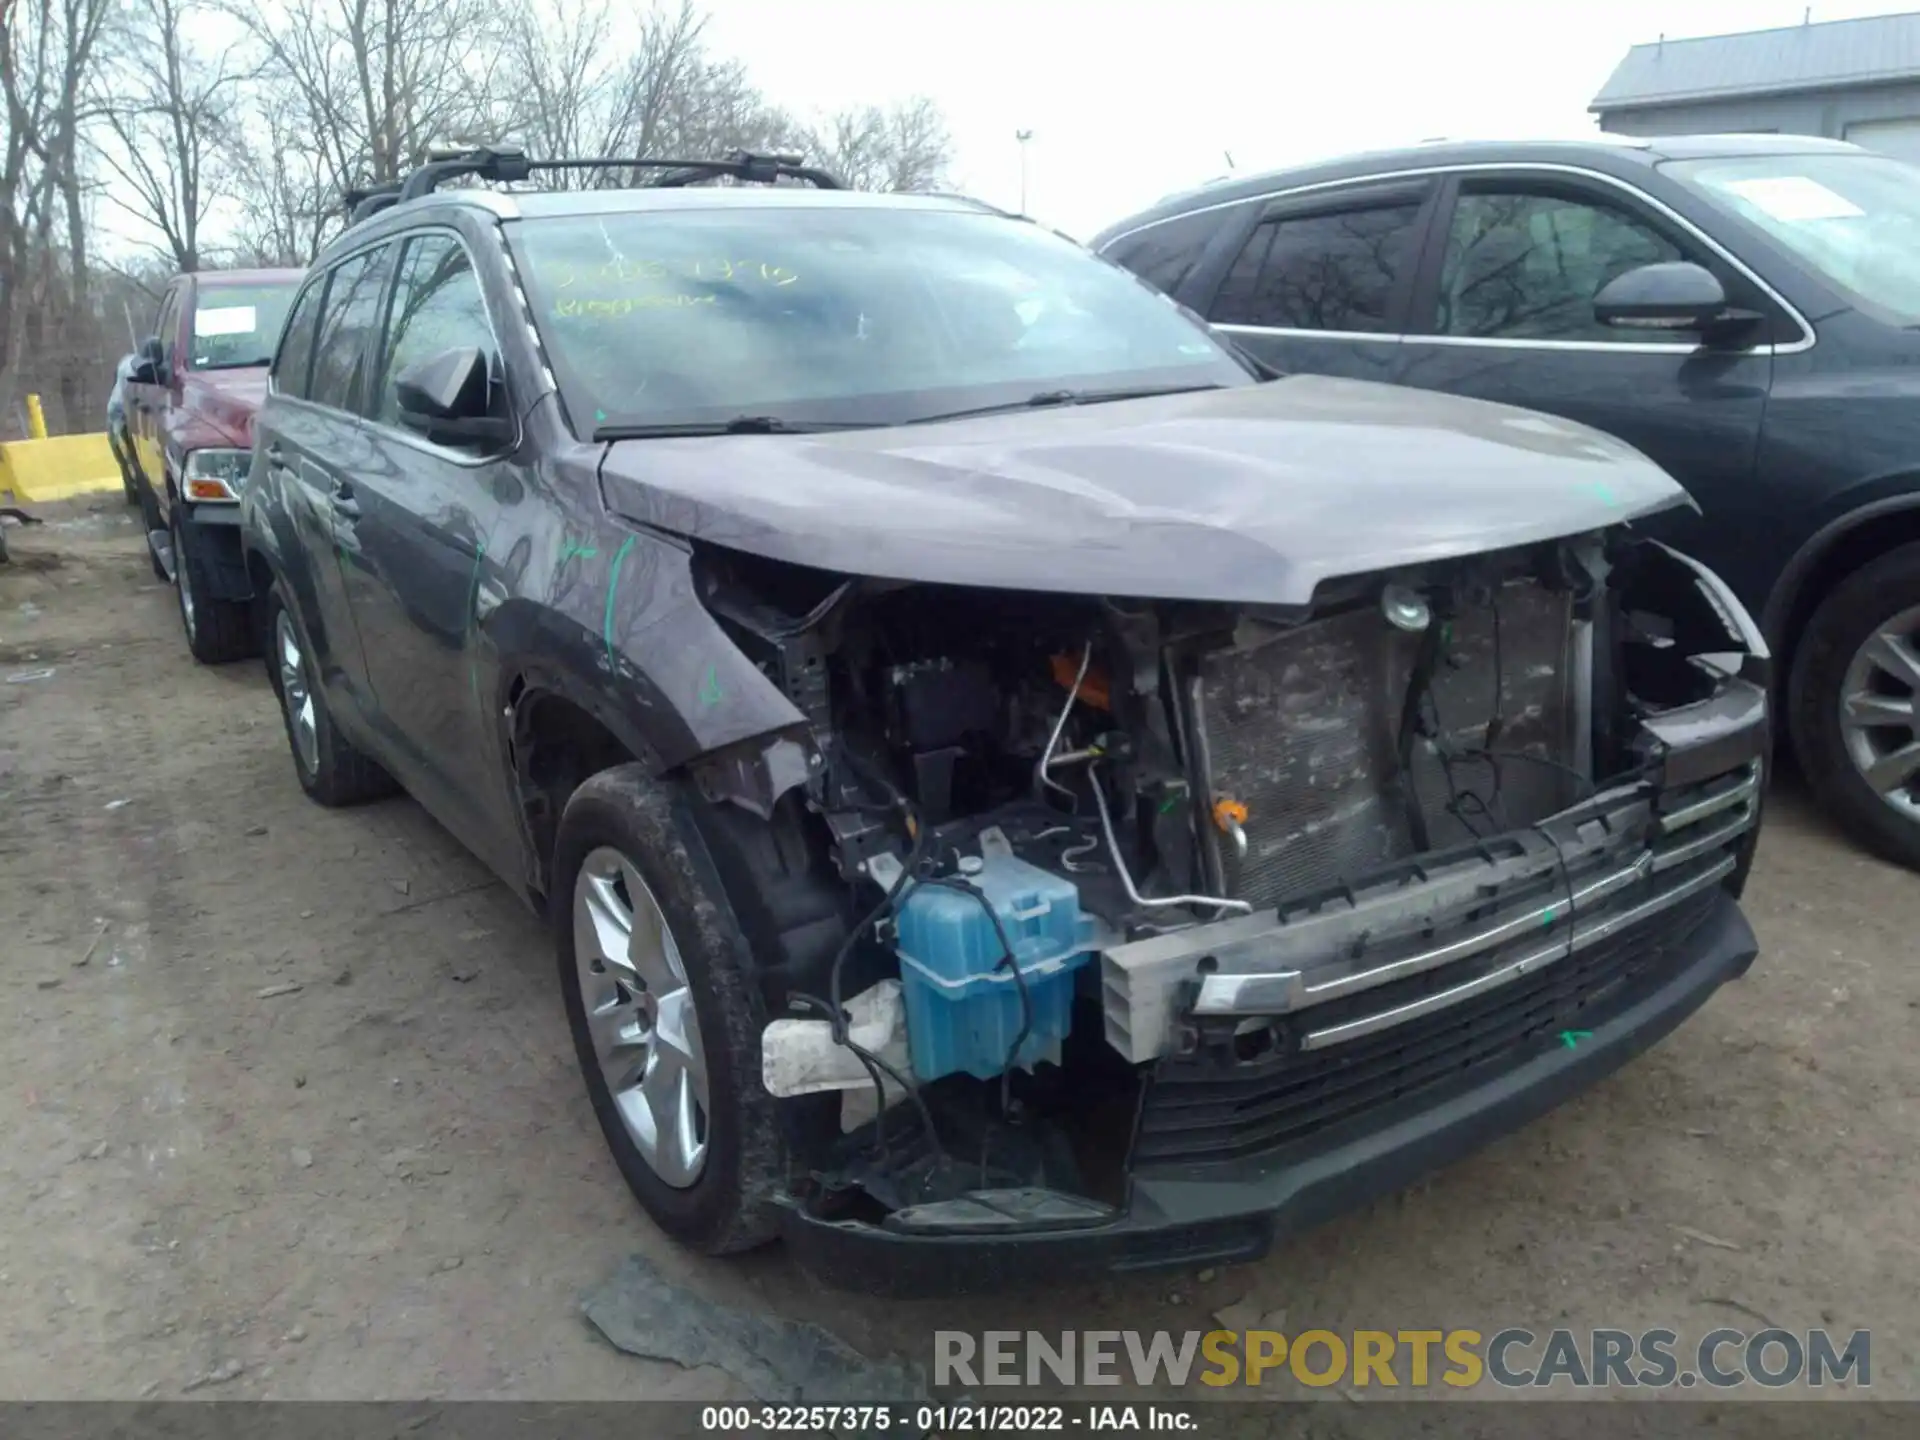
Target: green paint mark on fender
(577, 551)
(613, 589)
(710, 692)
(1572, 1038)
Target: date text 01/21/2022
(941, 1419)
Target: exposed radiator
(1301, 727)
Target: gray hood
(1250, 495)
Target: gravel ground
(293, 1113)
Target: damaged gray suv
(1016, 788)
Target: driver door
(1502, 309)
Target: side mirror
(149, 362)
(446, 397)
(1673, 295)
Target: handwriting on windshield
(571, 305)
(712, 269)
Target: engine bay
(1044, 848)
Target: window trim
(1808, 336)
(464, 458)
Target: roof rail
(489, 163)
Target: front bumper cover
(1234, 1211)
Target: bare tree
(372, 85)
(48, 49)
(168, 111)
(904, 146)
(665, 94)
(291, 199)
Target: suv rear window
(839, 315)
(237, 326)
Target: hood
(224, 401)
(1252, 495)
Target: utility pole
(1023, 136)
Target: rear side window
(294, 367)
(347, 325)
(1526, 265)
(436, 306)
(1334, 270)
(1164, 255)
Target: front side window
(347, 325)
(1854, 218)
(235, 327)
(436, 306)
(293, 367)
(1525, 265)
(839, 314)
(1336, 270)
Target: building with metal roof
(1855, 80)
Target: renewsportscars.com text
(1513, 1358)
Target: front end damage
(1114, 933)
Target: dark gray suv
(1744, 310)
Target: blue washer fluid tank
(963, 1005)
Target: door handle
(343, 501)
(275, 455)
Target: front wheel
(666, 1021)
(218, 631)
(1854, 699)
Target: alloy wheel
(294, 694)
(639, 1011)
(1880, 711)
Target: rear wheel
(1855, 704)
(328, 766)
(665, 1016)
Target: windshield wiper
(1052, 399)
(738, 425)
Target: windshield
(1854, 218)
(840, 316)
(235, 326)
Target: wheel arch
(1858, 535)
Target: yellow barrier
(67, 465)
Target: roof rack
(363, 201)
(509, 166)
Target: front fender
(623, 635)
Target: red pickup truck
(191, 394)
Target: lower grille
(1205, 1107)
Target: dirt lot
(387, 1183)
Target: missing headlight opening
(1078, 885)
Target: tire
(329, 768)
(1880, 593)
(218, 631)
(729, 1205)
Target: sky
(1130, 100)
